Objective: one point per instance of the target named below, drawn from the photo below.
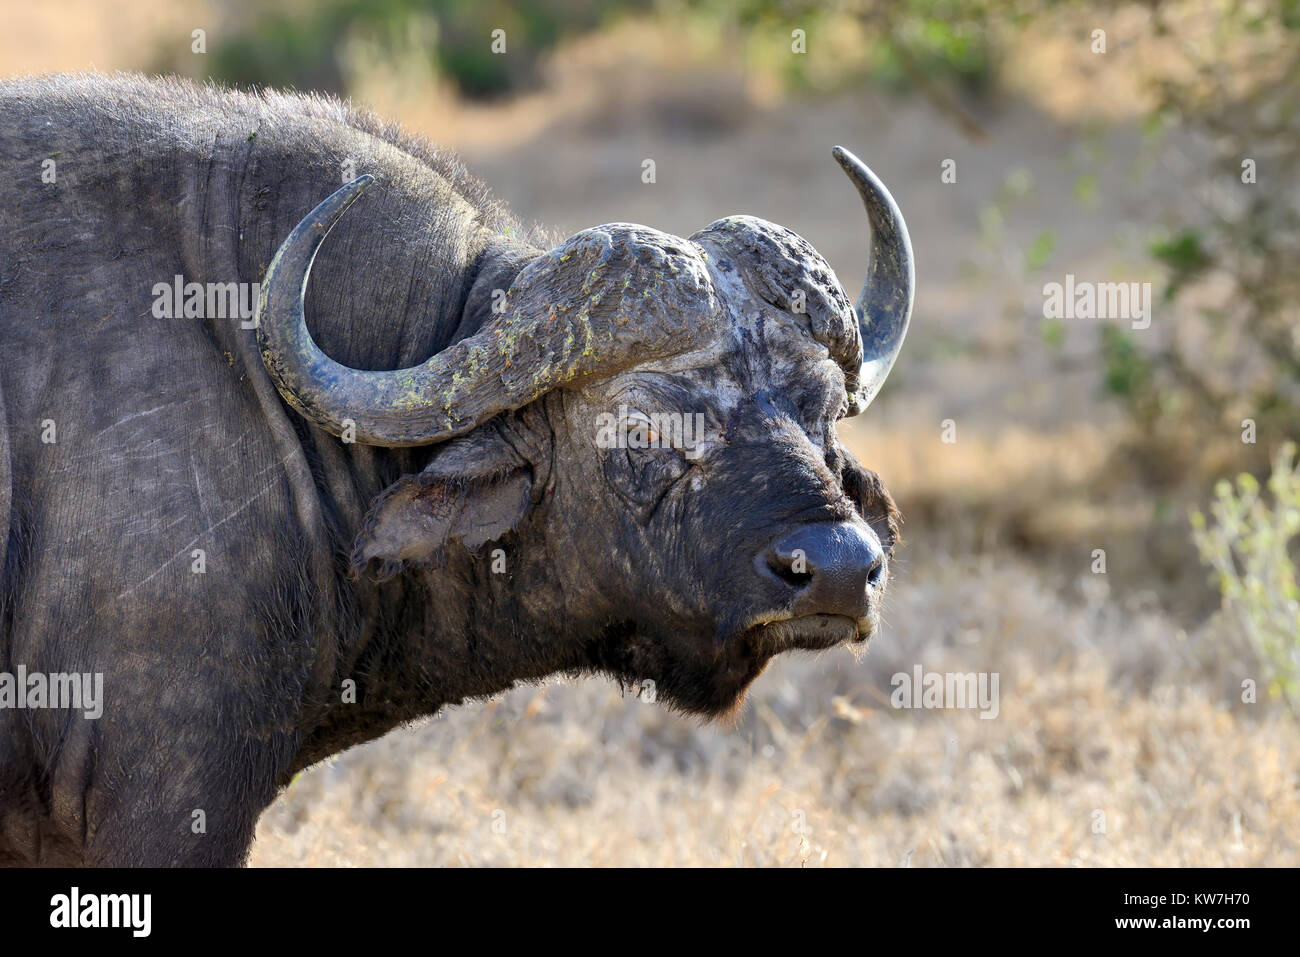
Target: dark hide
(327, 564)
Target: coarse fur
(260, 595)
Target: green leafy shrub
(301, 47)
(1249, 545)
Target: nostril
(830, 568)
(876, 573)
(792, 568)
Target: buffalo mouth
(806, 633)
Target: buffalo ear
(873, 500)
(476, 489)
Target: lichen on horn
(604, 299)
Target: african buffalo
(616, 455)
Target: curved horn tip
(346, 195)
(846, 158)
(858, 171)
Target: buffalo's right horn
(884, 306)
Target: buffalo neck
(416, 267)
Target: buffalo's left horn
(604, 299)
(885, 303)
(384, 407)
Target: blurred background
(1105, 516)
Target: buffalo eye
(644, 467)
(640, 433)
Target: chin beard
(709, 675)
(693, 674)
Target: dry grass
(1101, 710)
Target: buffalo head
(654, 419)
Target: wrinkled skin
(330, 562)
(640, 567)
(685, 605)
